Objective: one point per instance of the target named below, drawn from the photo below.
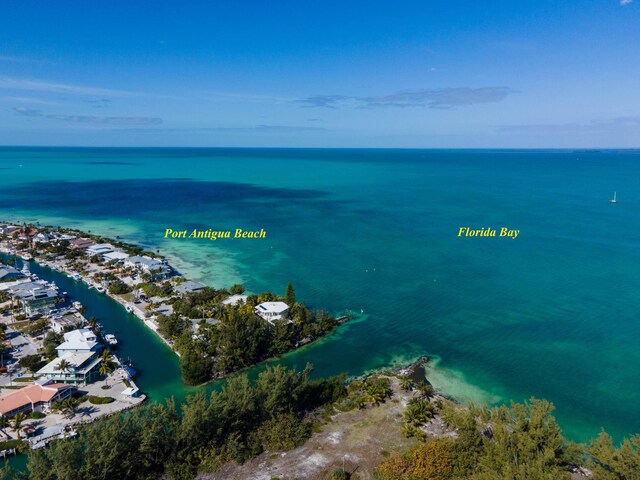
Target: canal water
(157, 365)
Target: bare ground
(361, 438)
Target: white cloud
(625, 2)
(9, 83)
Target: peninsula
(214, 331)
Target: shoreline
(62, 266)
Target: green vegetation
(238, 338)
(517, 442)
(118, 287)
(237, 423)
(31, 363)
(152, 290)
(37, 415)
(100, 400)
(50, 342)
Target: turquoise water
(553, 313)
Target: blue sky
(321, 74)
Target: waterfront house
(8, 229)
(34, 297)
(272, 311)
(81, 340)
(34, 398)
(81, 243)
(234, 299)
(99, 249)
(60, 322)
(156, 268)
(115, 255)
(189, 287)
(42, 237)
(8, 274)
(82, 368)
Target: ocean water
(554, 313)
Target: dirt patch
(359, 439)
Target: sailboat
(613, 200)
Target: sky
(280, 73)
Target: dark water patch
(6, 168)
(132, 198)
(112, 163)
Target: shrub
(100, 400)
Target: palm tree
(105, 366)
(17, 423)
(92, 322)
(406, 384)
(64, 367)
(426, 389)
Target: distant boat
(101, 289)
(111, 339)
(129, 308)
(613, 200)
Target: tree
(426, 389)
(405, 383)
(237, 289)
(31, 363)
(419, 412)
(64, 366)
(290, 295)
(18, 420)
(105, 366)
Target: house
(34, 398)
(34, 297)
(99, 249)
(42, 237)
(64, 237)
(81, 340)
(60, 322)
(272, 311)
(234, 299)
(115, 255)
(82, 368)
(189, 287)
(149, 265)
(81, 243)
(8, 274)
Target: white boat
(129, 308)
(111, 339)
(26, 257)
(613, 200)
(101, 289)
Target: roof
(78, 361)
(273, 307)
(30, 395)
(234, 299)
(115, 255)
(81, 339)
(7, 272)
(81, 243)
(100, 249)
(189, 286)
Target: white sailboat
(613, 200)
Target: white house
(272, 311)
(42, 237)
(82, 340)
(115, 255)
(99, 249)
(82, 367)
(148, 265)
